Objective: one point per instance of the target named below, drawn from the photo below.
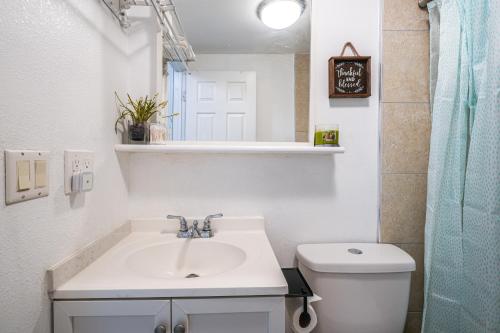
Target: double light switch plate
(26, 175)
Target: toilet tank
(365, 287)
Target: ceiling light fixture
(280, 14)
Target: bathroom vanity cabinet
(111, 316)
(204, 315)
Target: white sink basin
(185, 258)
(152, 262)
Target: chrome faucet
(183, 229)
(193, 231)
(207, 231)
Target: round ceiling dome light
(280, 14)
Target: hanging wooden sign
(349, 75)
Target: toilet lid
(355, 258)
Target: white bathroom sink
(185, 258)
(153, 262)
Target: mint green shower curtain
(462, 232)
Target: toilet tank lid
(355, 258)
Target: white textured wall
(60, 62)
(275, 88)
(145, 61)
(303, 198)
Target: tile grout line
(405, 102)
(404, 173)
(406, 243)
(406, 30)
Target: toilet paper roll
(295, 320)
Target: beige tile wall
(405, 137)
(302, 97)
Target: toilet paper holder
(298, 287)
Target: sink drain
(192, 275)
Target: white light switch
(23, 175)
(40, 173)
(26, 175)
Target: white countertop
(111, 277)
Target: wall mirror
(249, 78)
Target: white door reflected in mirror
(221, 106)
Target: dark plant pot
(138, 133)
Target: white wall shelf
(231, 148)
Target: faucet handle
(206, 222)
(182, 220)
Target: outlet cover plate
(12, 195)
(75, 161)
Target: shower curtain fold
(462, 232)
(434, 8)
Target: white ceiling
(232, 26)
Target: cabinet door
(229, 315)
(134, 316)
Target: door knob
(161, 329)
(179, 329)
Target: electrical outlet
(87, 165)
(75, 165)
(76, 161)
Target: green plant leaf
(139, 110)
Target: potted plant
(138, 112)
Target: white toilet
(365, 287)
